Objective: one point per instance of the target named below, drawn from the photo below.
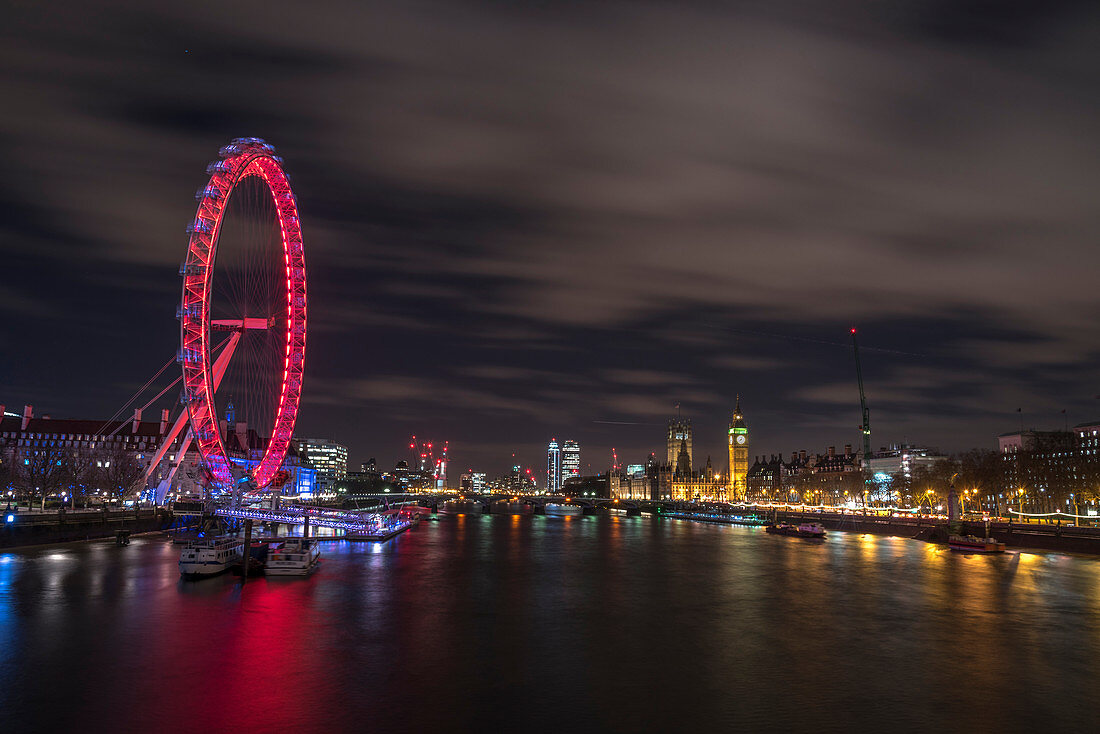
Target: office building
(328, 458)
(570, 460)
(553, 467)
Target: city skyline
(443, 358)
(493, 277)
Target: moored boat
(412, 514)
(209, 557)
(974, 544)
(717, 517)
(811, 530)
(293, 557)
(563, 509)
(805, 530)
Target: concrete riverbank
(40, 528)
(1015, 535)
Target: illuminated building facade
(902, 459)
(738, 440)
(677, 480)
(829, 478)
(93, 447)
(679, 436)
(553, 467)
(639, 482)
(706, 485)
(765, 478)
(328, 458)
(570, 460)
(1051, 470)
(631, 487)
(518, 481)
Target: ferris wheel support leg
(219, 372)
(169, 439)
(166, 483)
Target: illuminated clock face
(741, 438)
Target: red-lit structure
(427, 464)
(202, 373)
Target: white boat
(972, 544)
(811, 530)
(560, 509)
(293, 557)
(209, 557)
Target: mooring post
(305, 526)
(247, 549)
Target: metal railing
(299, 515)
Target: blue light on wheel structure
(10, 517)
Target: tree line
(985, 480)
(71, 475)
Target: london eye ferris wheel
(242, 316)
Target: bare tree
(121, 474)
(7, 474)
(983, 472)
(41, 471)
(901, 484)
(82, 473)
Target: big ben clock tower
(739, 454)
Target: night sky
(527, 220)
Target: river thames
(555, 624)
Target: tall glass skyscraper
(570, 460)
(553, 467)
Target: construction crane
(866, 427)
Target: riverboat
(562, 509)
(974, 544)
(293, 557)
(209, 557)
(412, 514)
(811, 530)
(717, 517)
(805, 530)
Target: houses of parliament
(677, 479)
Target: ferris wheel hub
(246, 324)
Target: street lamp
(928, 494)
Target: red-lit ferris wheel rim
(240, 159)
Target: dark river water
(559, 625)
